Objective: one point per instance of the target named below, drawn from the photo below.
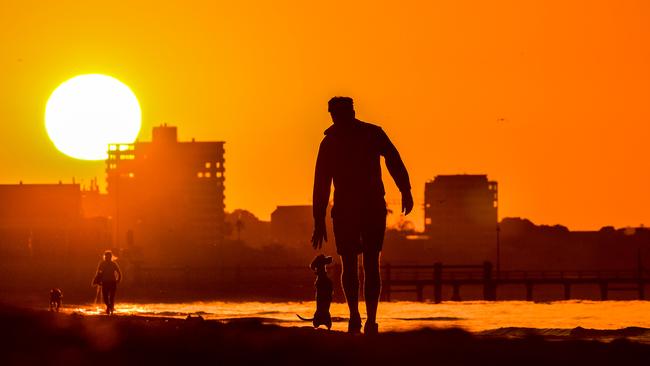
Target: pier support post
(420, 292)
(640, 272)
(437, 282)
(529, 291)
(641, 290)
(567, 291)
(489, 287)
(456, 295)
(603, 290)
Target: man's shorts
(356, 235)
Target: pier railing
(415, 278)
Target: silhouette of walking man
(108, 276)
(349, 155)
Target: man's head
(108, 255)
(341, 109)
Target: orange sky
(550, 98)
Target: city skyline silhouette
(164, 217)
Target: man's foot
(354, 324)
(370, 329)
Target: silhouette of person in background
(108, 276)
(56, 295)
(349, 155)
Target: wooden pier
(415, 278)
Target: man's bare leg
(372, 284)
(350, 282)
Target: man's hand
(320, 234)
(407, 202)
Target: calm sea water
(474, 316)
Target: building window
(217, 164)
(427, 221)
(206, 174)
(199, 174)
(218, 174)
(131, 175)
(207, 165)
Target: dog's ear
(314, 264)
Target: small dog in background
(55, 299)
(324, 291)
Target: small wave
(578, 332)
(525, 332)
(254, 320)
(432, 318)
(623, 332)
(268, 312)
(163, 313)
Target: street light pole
(498, 250)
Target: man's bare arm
(397, 170)
(321, 195)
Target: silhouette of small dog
(55, 299)
(323, 292)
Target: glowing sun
(87, 112)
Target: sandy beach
(32, 337)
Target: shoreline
(567, 319)
(633, 333)
(41, 337)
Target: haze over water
(474, 316)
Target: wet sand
(35, 337)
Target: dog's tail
(305, 319)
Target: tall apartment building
(167, 197)
(460, 213)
